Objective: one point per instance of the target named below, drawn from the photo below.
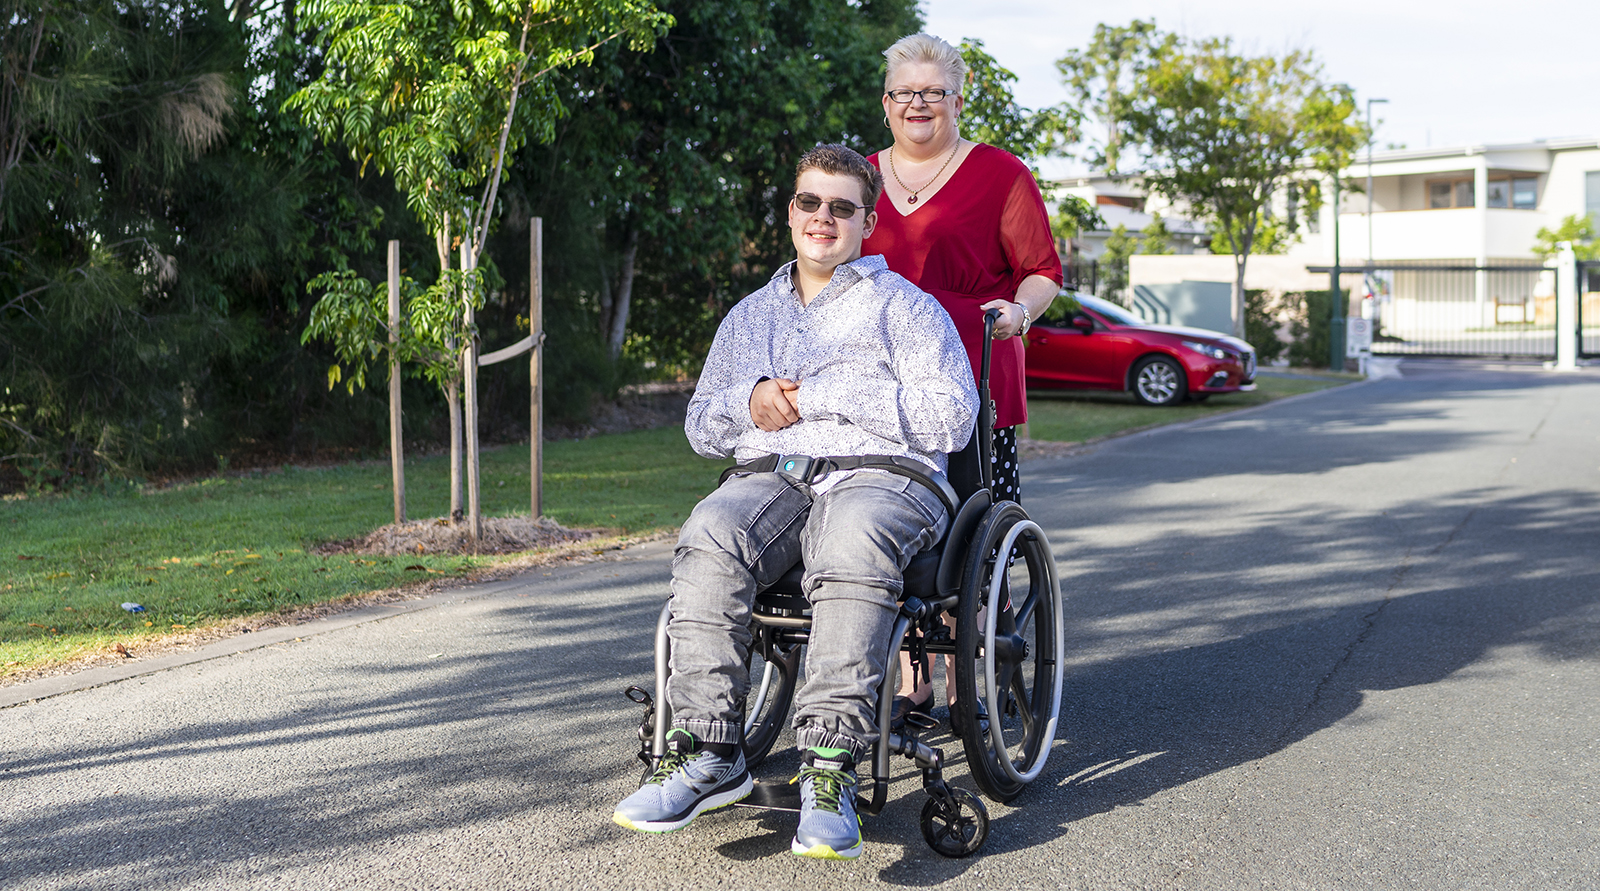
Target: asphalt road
(1343, 641)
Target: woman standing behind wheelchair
(965, 222)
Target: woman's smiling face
(919, 121)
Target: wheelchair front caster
(955, 826)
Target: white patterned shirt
(880, 367)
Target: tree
(432, 93)
(1222, 132)
(1108, 71)
(675, 167)
(1121, 244)
(1578, 230)
(991, 114)
(1073, 216)
(110, 322)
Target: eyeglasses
(932, 94)
(840, 208)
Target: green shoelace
(830, 785)
(669, 763)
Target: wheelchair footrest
(773, 795)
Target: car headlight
(1206, 349)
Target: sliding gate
(1442, 309)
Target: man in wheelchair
(839, 387)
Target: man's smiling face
(821, 239)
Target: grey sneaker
(829, 828)
(688, 782)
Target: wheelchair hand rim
(996, 733)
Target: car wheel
(1158, 380)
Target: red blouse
(973, 241)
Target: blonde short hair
(926, 48)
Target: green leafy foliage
(1309, 328)
(1104, 74)
(1075, 215)
(991, 114)
(671, 174)
(432, 92)
(1261, 311)
(1578, 230)
(1222, 132)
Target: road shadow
(1212, 648)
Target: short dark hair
(841, 159)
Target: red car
(1085, 343)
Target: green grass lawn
(232, 546)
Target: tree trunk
(619, 316)
(1238, 298)
(605, 293)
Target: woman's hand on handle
(1036, 293)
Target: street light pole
(1335, 293)
(1370, 134)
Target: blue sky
(1460, 73)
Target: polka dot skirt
(1007, 479)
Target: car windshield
(1111, 311)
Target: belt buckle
(797, 466)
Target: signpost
(1358, 342)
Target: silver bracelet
(1027, 318)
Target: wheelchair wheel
(1009, 636)
(957, 827)
(773, 670)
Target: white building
(1123, 202)
(1477, 204)
(1470, 206)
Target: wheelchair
(994, 573)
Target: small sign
(1357, 338)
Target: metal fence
(1589, 309)
(1445, 309)
(1081, 275)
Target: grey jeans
(856, 538)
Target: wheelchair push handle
(985, 404)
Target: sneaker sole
(823, 852)
(709, 803)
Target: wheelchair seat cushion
(786, 593)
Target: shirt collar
(845, 275)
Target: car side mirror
(1083, 323)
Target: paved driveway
(1343, 641)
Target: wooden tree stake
(397, 458)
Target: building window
(1519, 192)
(1525, 192)
(1591, 197)
(1446, 193)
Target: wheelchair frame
(990, 651)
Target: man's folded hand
(775, 404)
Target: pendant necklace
(913, 198)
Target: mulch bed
(501, 535)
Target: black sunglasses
(840, 208)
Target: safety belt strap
(807, 469)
